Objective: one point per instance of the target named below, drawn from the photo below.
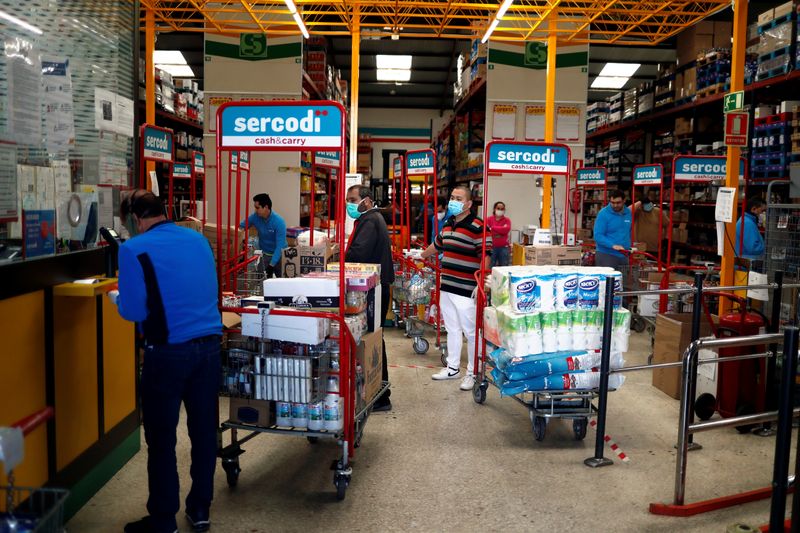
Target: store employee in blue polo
(271, 232)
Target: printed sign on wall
(288, 127)
(529, 158)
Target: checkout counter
(66, 346)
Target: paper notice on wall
(726, 198)
(504, 123)
(45, 188)
(757, 278)
(113, 170)
(154, 183)
(534, 123)
(24, 92)
(58, 106)
(104, 105)
(568, 123)
(9, 198)
(105, 207)
(123, 108)
(720, 238)
(62, 176)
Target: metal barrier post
(697, 313)
(772, 371)
(605, 366)
(689, 358)
(783, 440)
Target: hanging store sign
(234, 161)
(281, 127)
(648, 175)
(397, 167)
(157, 143)
(591, 176)
(529, 158)
(327, 159)
(181, 170)
(419, 162)
(199, 161)
(703, 168)
(244, 160)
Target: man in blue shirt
(271, 233)
(612, 232)
(168, 286)
(753, 241)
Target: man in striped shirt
(461, 245)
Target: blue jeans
(500, 256)
(174, 373)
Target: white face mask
(762, 219)
(440, 216)
(499, 213)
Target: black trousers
(386, 301)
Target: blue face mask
(647, 208)
(455, 207)
(352, 210)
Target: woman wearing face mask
(500, 226)
(753, 245)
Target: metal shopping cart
(35, 510)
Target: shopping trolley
(39, 510)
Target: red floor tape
(613, 445)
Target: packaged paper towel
(620, 330)
(566, 290)
(549, 331)
(491, 327)
(500, 285)
(564, 331)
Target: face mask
(440, 216)
(762, 219)
(499, 213)
(647, 208)
(352, 210)
(455, 207)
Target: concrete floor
(440, 462)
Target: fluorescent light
(503, 8)
(291, 6)
(609, 82)
(299, 20)
(620, 69)
(488, 33)
(177, 71)
(387, 61)
(169, 57)
(21, 23)
(394, 74)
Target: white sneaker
(467, 382)
(447, 373)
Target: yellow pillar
(354, 65)
(549, 116)
(734, 153)
(150, 79)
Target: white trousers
(458, 314)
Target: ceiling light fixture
(169, 57)
(609, 82)
(21, 23)
(393, 61)
(177, 71)
(620, 69)
(393, 74)
(500, 14)
(297, 18)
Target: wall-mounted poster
(534, 122)
(568, 123)
(504, 124)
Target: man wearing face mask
(646, 224)
(370, 243)
(461, 244)
(168, 286)
(755, 216)
(612, 232)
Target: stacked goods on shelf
(165, 91)
(623, 156)
(592, 203)
(702, 36)
(615, 108)
(771, 148)
(189, 100)
(664, 93)
(547, 323)
(596, 116)
(315, 62)
(713, 71)
(630, 102)
(646, 99)
(479, 54)
(664, 150)
(590, 155)
(776, 30)
(444, 152)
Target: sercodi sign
(246, 126)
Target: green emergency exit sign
(253, 45)
(734, 101)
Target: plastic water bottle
(283, 411)
(332, 412)
(300, 415)
(315, 416)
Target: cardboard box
(766, 17)
(259, 413)
(683, 126)
(304, 293)
(191, 223)
(552, 255)
(783, 9)
(299, 260)
(680, 234)
(301, 329)
(673, 334)
(787, 106)
(369, 355)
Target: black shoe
(382, 406)
(199, 521)
(145, 525)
